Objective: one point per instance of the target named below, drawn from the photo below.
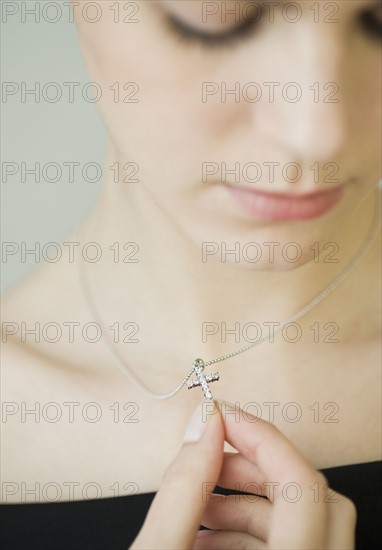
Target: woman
(241, 181)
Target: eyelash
(367, 20)
(371, 23)
(188, 35)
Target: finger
(262, 444)
(299, 520)
(239, 474)
(342, 522)
(244, 513)
(173, 519)
(227, 540)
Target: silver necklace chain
(199, 364)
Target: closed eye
(371, 21)
(225, 38)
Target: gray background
(44, 132)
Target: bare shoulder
(50, 289)
(34, 372)
(22, 360)
(54, 416)
(22, 378)
(42, 317)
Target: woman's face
(223, 104)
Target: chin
(277, 264)
(258, 245)
(276, 247)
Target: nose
(313, 130)
(308, 115)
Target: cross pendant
(201, 379)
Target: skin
(326, 520)
(171, 292)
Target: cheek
(370, 111)
(151, 101)
(364, 109)
(160, 120)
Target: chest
(68, 438)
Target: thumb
(176, 511)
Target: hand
(301, 512)
(174, 517)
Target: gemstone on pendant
(201, 379)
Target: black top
(113, 523)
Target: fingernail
(198, 422)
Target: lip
(286, 206)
